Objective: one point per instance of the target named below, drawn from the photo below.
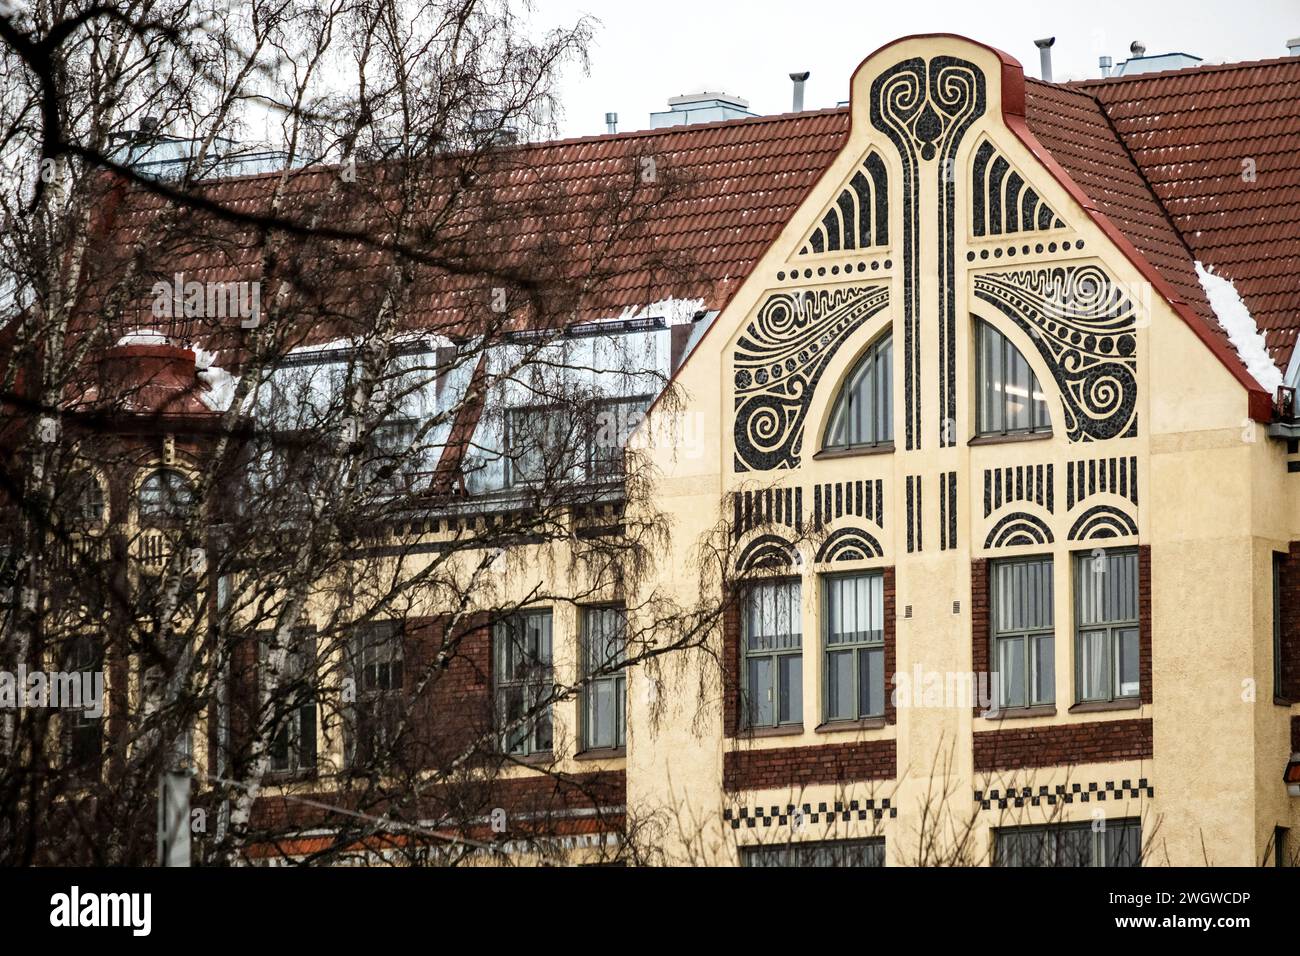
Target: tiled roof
(1220, 146)
(1159, 156)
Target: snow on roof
(1240, 325)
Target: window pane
(855, 609)
(869, 853)
(1122, 844)
(1093, 665)
(839, 686)
(1076, 845)
(1010, 396)
(759, 691)
(600, 714)
(791, 688)
(871, 682)
(1107, 586)
(862, 414)
(773, 616)
(1023, 596)
(1126, 662)
(1011, 671)
(1043, 669)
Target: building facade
(990, 498)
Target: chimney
(799, 80)
(1137, 48)
(611, 122)
(1045, 57)
(1105, 63)
(1293, 47)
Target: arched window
(165, 494)
(864, 410)
(1010, 400)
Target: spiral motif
(1084, 328)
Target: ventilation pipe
(1045, 57)
(611, 122)
(1106, 63)
(799, 80)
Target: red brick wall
(1063, 745)
(1290, 606)
(538, 797)
(804, 766)
(979, 624)
(1144, 621)
(891, 664)
(448, 680)
(731, 664)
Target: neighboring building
(970, 401)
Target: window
(87, 499)
(869, 852)
(1024, 643)
(1106, 589)
(393, 461)
(1279, 570)
(615, 419)
(522, 674)
(165, 494)
(863, 415)
(1281, 855)
(83, 741)
(855, 646)
(604, 648)
(1010, 400)
(293, 739)
(377, 670)
(773, 673)
(1113, 843)
(538, 444)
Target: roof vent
(1105, 63)
(611, 122)
(799, 80)
(1045, 57)
(702, 107)
(1137, 48)
(1293, 46)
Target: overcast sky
(648, 50)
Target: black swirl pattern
(1085, 329)
(925, 109)
(778, 360)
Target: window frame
(804, 853)
(1114, 631)
(857, 648)
(547, 413)
(1098, 853)
(609, 467)
(173, 509)
(84, 654)
(774, 655)
(1029, 637)
(532, 685)
(300, 669)
(375, 708)
(841, 406)
(983, 429)
(618, 680)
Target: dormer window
(863, 415)
(1010, 400)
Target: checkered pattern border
(751, 817)
(1062, 793)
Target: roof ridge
(1186, 71)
